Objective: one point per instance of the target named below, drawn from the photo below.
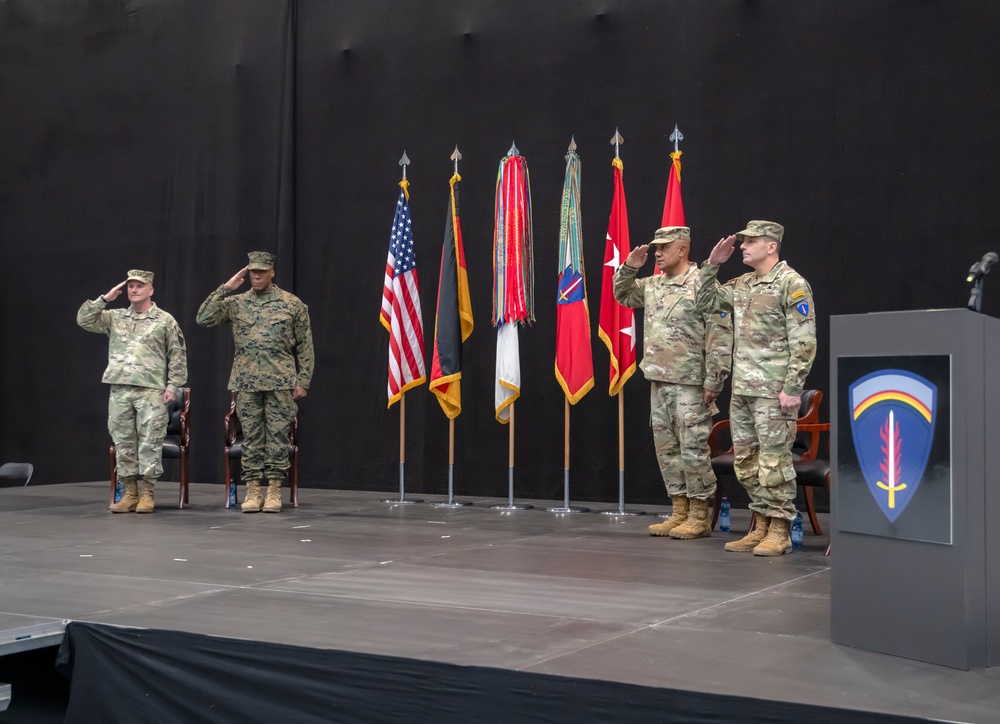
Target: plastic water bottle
(232, 493)
(724, 515)
(797, 531)
(118, 490)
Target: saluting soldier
(272, 369)
(686, 359)
(147, 367)
(774, 323)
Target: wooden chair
(234, 452)
(812, 471)
(175, 445)
(723, 458)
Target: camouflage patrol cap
(762, 228)
(671, 233)
(138, 275)
(261, 260)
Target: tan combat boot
(679, 513)
(273, 502)
(253, 499)
(146, 496)
(129, 499)
(696, 525)
(778, 540)
(752, 539)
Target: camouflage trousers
(762, 443)
(137, 421)
(681, 423)
(266, 418)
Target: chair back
(177, 410)
(231, 423)
(12, 474)
(806, 442)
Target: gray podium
(915, 440)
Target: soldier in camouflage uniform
(272, 369)
(147, 366)
(686, 359)
(774, 322)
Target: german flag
(453, 319)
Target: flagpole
(451, 462)
(566, 507)
(571, 251)
(620, 510)
(621, 450)
(522, 312)
(403, 162)
(510, 504)
(451, 502)
(676, 137)
(402, 500)
(617, 141)
(510, 461)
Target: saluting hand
(114, 293)
(237, 280)
(723, 250)
(637, 257)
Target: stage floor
(582, 595)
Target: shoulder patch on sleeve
(804, 309)
(798, 294)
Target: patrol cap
(762, 228)
(261, 260)
(138, 275)
(671, 233)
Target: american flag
(401, 306)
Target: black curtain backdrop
(177, 135)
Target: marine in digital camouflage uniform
(147, 366)
(774, 323)
(272, 369)
(686, 359)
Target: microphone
(982, 267)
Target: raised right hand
(237, 279)
(637, 257)
(114, 292)
(723, 250)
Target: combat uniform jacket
(271, 332)
(685, 343)
(774, 325)
(144, 350)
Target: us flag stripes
(401, 313)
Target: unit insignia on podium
(892, 422)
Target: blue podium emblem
(892, 422)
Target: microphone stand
(976, 273)
(976, 295)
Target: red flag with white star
(617, 324)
